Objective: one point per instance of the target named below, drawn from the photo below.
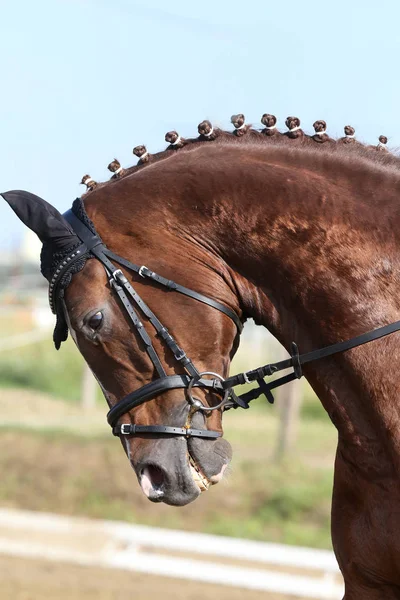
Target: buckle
(246, 378)
(142, 271)
(294, 353)
(125, 431)
(180, 354)
(118, 277)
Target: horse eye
(95, 320)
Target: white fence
(134, 548)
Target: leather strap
(134, 317)
(296, 361)
(178, 352)
(171, 285)
(131, 429)
(153, 389)
(302, 359)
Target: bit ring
(195, 402)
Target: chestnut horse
(307, 243)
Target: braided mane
(243, 133)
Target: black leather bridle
(192, 379)
(131, 301)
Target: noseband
(192, 379)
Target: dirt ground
(31, 579)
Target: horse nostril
(152, 480)
(156, 475)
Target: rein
(193, 379)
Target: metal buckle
(123, 430)
(141, 271)
(180, 355)
(117, 275)
(245, 377)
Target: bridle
(132, 302)
(192, 379)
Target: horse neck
(314, 258)
(309, 242)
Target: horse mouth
(154, 483)
(202, 482)
(177, 473)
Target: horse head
(136, 331)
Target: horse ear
(42, 218)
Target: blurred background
(84, 81)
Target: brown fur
(304, 239)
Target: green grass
(44, 370)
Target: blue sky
(84, 80)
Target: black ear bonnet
(60, 333)
(59, 240)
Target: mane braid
(253, 136)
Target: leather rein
(192, 379)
